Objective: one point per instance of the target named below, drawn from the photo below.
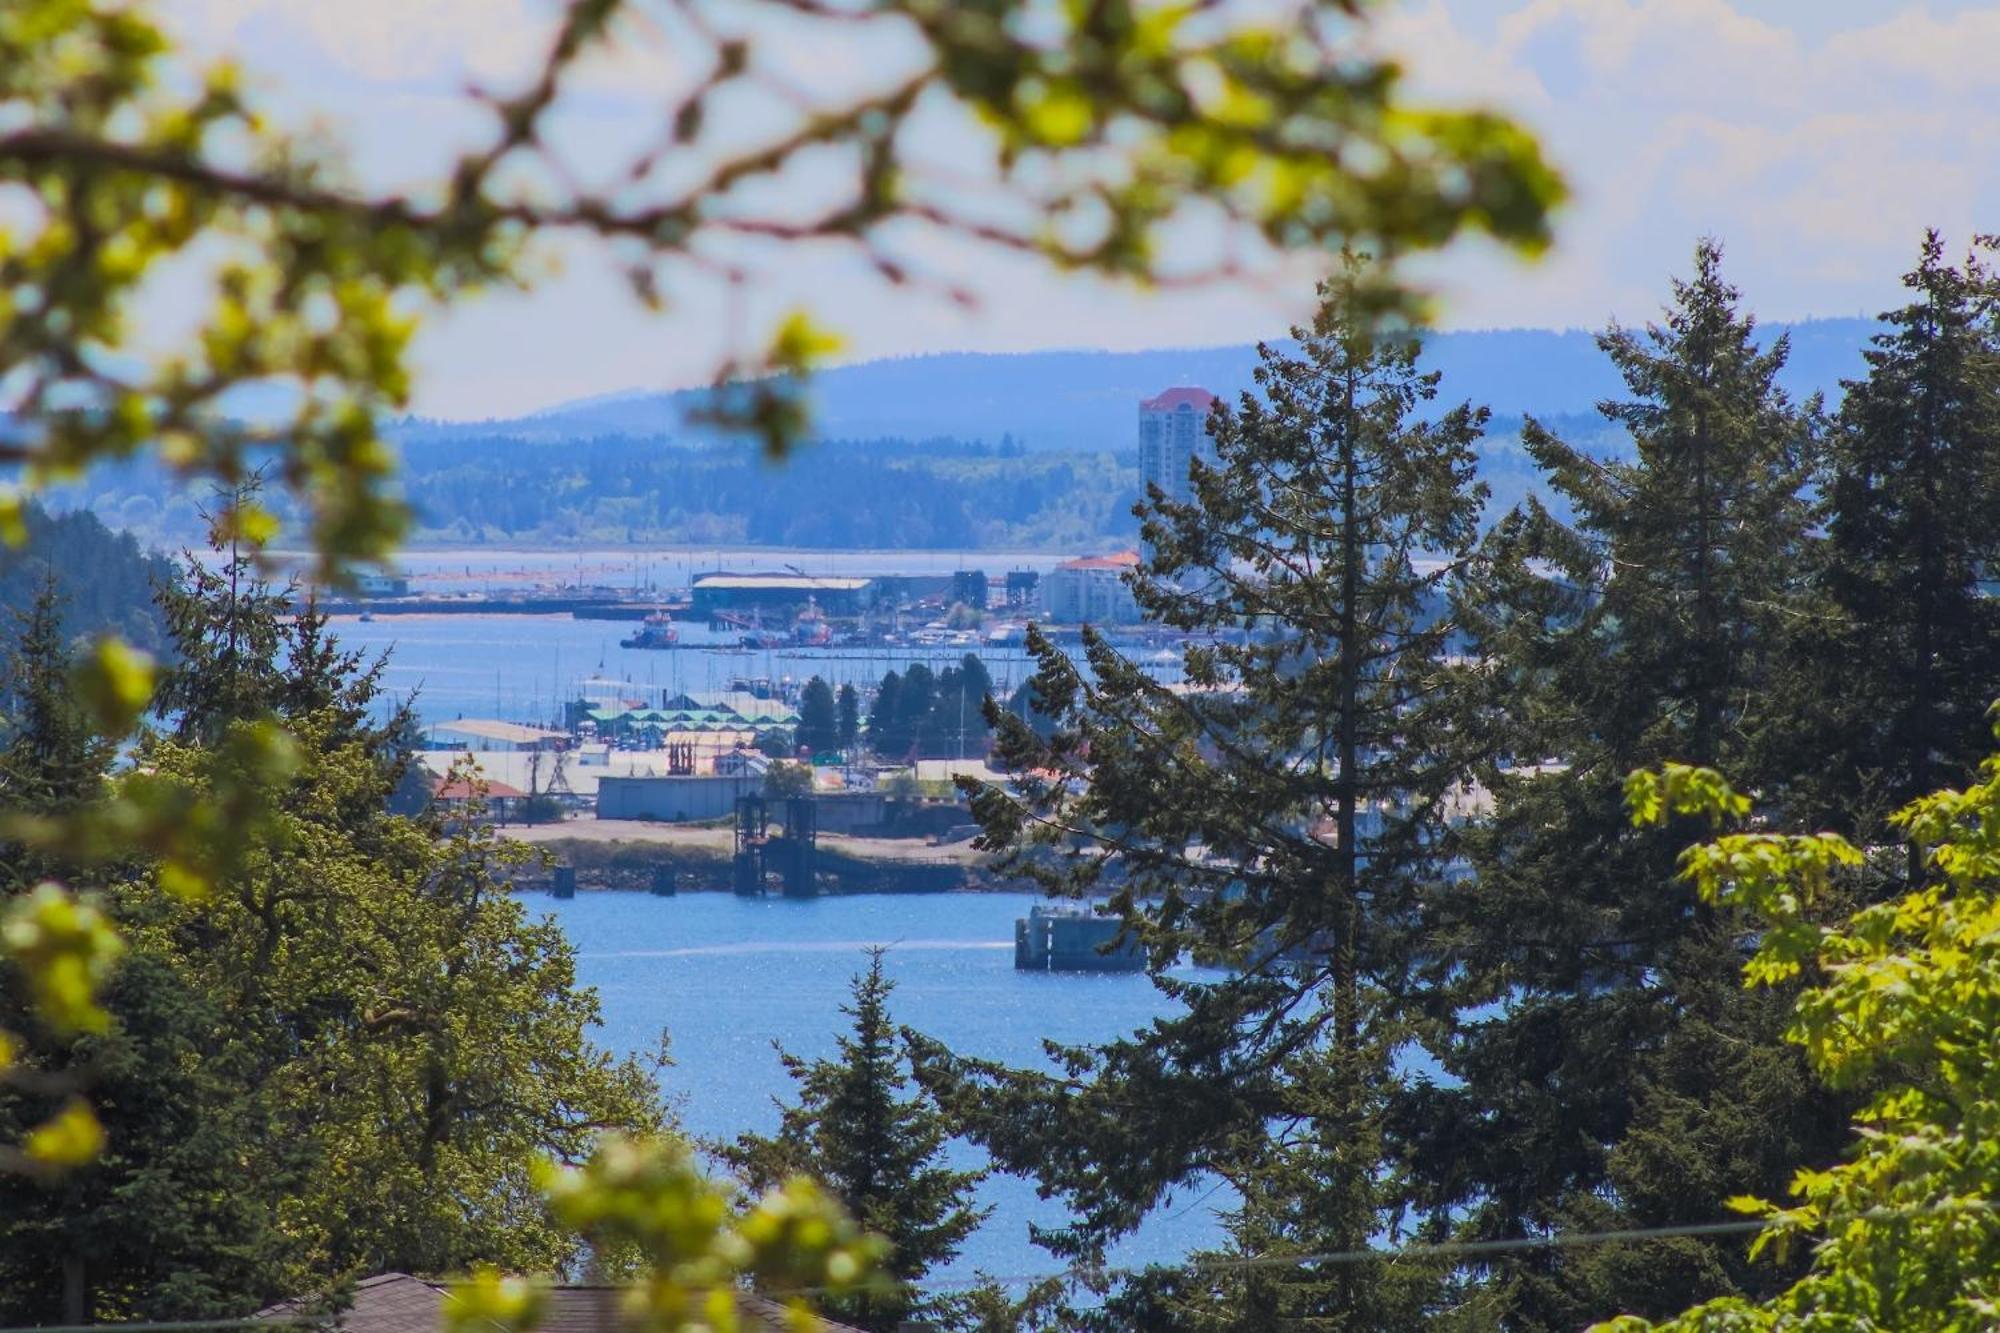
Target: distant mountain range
(1088, 400)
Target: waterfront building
(1091, 590)
(381, 585)
(478, 734)
(1173, 432)
(780, 594)
(674, 798)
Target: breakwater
(577, 608)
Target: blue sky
(1816, 137)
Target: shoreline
(534, 547)
(623, 855)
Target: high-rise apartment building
(1173, 431)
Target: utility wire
(1468, 1249)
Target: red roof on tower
(1182, 396)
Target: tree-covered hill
(875, 493)
(105, 578)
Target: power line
(1469, 1249)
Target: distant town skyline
(1817, 138)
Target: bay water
(726, 977)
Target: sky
(1815, 138)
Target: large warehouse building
(781, 594)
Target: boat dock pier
(1071, 938)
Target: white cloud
(1818, 157)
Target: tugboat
(811, 630)
(656, 631)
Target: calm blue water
(479, 569)
(519, 668)
(726, 976)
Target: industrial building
(970, 587)
(780, 595)
(479, 735)
(674, 799)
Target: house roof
(1199, 400)
(688, 717)
(458, 789)
(399, 1303)
(745, 704)
(781, 582)
(494, 730)
(1116, 560)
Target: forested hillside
(840, 494)
(104, 579)
(874, 493)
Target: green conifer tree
(1912, 487)
(819, 719)
(883, 716)
(1610, 1070)
(1287, 815)
(52, 761)
(848, 703)
(879, 1151)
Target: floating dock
(1073, 939)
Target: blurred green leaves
(65, 948)
(115, 684)
(649, 1197)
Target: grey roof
(399, 1303)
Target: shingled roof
(399, 1303)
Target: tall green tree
(1608, 1071)
(958, 723)
(878, 1150)
(1287, 815)
(162, 1225)
(52, 760)
(883, 712)
(848, 703)
(819, 718)
(915, 703)
(1912, 484)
